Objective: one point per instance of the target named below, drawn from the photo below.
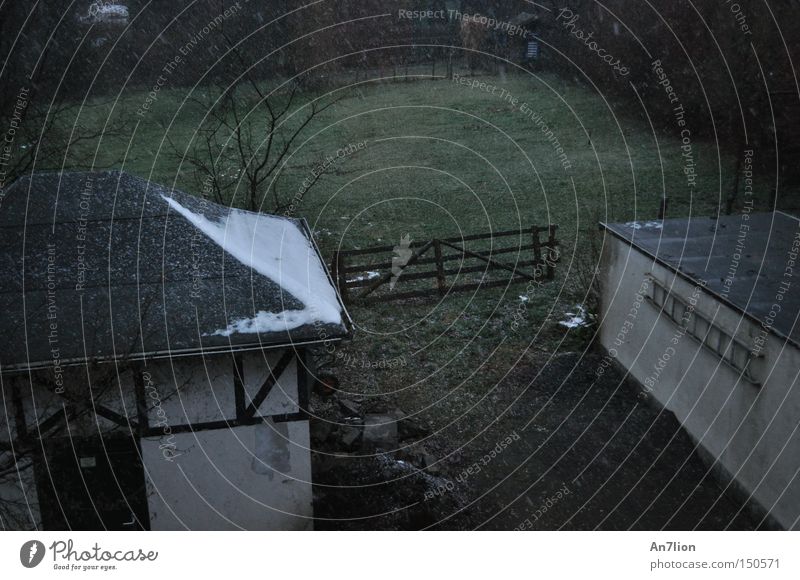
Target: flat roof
(745, 259)
(101, 266)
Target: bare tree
(247, 137)
(44, 125)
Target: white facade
(748, 425)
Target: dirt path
(563, 451)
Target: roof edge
(162, 355)
(771, 329)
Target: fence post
(537, 250)
(551, 251)
(340, 276)
(440, 281)
(450, 63)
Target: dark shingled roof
(153, 284)
(743, 259)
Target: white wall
(752, 430)
(256, 478)
(252, 477)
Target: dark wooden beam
(452, 289)
(142, 414)
(195, 427)
(238, 386)
(496, 264)
(289, 417)
(519, 248)
(49, 423)
(303, 384)
(19, 410)
(211, 425)
(457, 239)
(273, 377)
(115, 417)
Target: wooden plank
(455, 239)
(341, 278)
(20, 423)
(537, 247)
(238, 385)
(440, 281)
(544, 253)
(49, 423)
(85, 404)
(433, 292)
(447, 271)
(115, 417)
(551, 244)
(445, 258)
(490, 261)
(142, 414)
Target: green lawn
(441, 156)
(442, 159)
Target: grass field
(439, 159)
(473, 154)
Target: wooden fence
(376, 266)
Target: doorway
(92, 484)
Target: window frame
(713, 337)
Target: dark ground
(578, 455)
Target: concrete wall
(752, 430)
(252, 477)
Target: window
(712, 339)
(701, 327)
(658, 295)
(740, 356)
(724, 346)
(678, 312)
(669, 304)
(735, 353)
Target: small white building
(153, 359)
(703, 313)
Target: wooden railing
(356, 286)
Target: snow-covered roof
(128, 268)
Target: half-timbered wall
(224, 443)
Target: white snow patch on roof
(653, 224)
(276, 248)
